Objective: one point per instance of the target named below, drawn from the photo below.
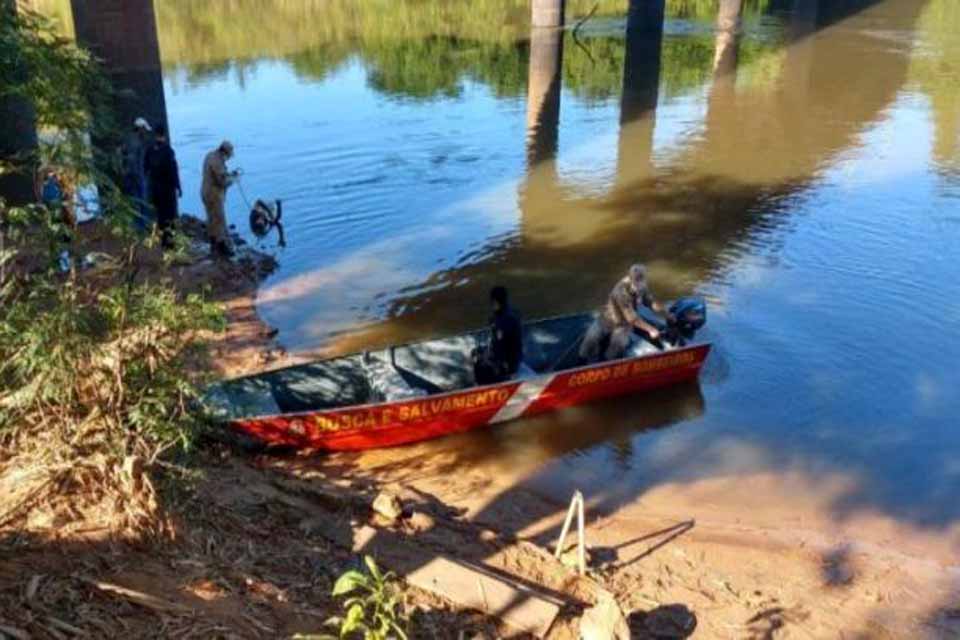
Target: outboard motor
(689, 316)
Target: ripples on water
(808, 188)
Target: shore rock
(387, 506)
(671, 622)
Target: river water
(804, 177)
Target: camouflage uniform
(615, 322)
(214, 193)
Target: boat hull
(396, 423)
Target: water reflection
(543, 93)
(606, 430)
(641, 86)
(728, 39)
(785, 193)
(800, 170)
(935, 70)
(684, 215)
(614, 424)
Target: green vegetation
(685, 63)
(59, 80)
(321, 61)
(81, 356)
(431, 67)
(707, 9)
(371, 606)
(592, 66)
(93, 360)
(934, 69)
(421, 48)
(418, 49)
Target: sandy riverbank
(744, 569)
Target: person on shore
(51, 190)
(55, 194)
(134, 177)
(216, 180)
(163, 179)
(503, 354)
(619, 318)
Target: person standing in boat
(502, 357)
(216, 181)
(619, 318)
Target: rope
(243, 194)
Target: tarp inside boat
(407, 371)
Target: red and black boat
(426, 389)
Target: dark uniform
(505, 351)
(163, 178)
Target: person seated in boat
(618, 320)
(504, 352)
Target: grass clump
(98, 349)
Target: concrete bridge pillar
(124, 34)
(641, 90)
(538, 192)
(646, 16)
(641, 61)
(18, 132)
(727, 39)
(544, 79)
(547, 13)
(729, 15)
(798, 65)
(803, 19)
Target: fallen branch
(32, 587)
(146, 600)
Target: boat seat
(386, 383)
(640, 347)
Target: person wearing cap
(216, 181)
(619, 318)
(134, 178)
(163, 179)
